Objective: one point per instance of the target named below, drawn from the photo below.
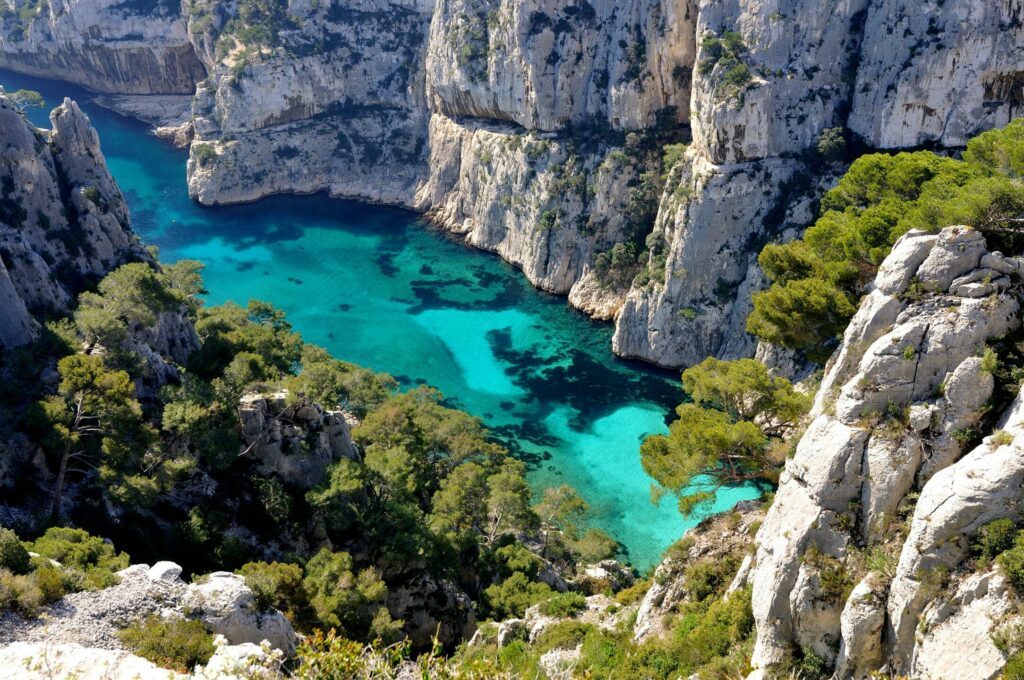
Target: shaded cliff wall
(121, 46)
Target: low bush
(177, 644)
(1014, 669)
(75, 549)
(510, 598)
(13, 555)
(20, 594)
(709, 577)
(994, 538)
(564, 605)
(562, 635)
(1012, 563)
(276, 586)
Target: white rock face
(538, 200)
(404, 103)
(698, 304)
(105, 45)
(548, 65)
(34, 660)
(906, 382)
(715, 539)
(227, 605)
(296, 442)
(92, 619)
(954, 71)
(339, 107)
(797, 52)
(860, 649)
(958, 638)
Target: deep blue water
(380, 287)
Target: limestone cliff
(882, 471)
(478, 112)
(296, 442)
(63, 221)
(336, 105)
(956, 69)
(550, 65)
(759, 83)
(547, 202)
(769, 79)
(123, 46)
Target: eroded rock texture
(507, 122)
(122, 46)
(888, 426)
(63, 221)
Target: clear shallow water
(381, 288)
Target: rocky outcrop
(432, 609)
(225, 604)
(546, 202)
(889, 423)
(721, 539)
(29, 661)
(958, 637)
(63, 221)
(120, 46)
(768, 79)
(295, 441)
(710, 223)
(93, 618)
(33, 660)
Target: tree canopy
(817, 280)
(724, 436)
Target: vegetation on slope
(430, 491)
(732, 433)
(817, 280)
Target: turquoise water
(382, 288)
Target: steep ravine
(509, 122)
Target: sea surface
(383, 288)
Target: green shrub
(832, 144)
(595, 545)
(13, 555)
(177, 644)
(994, 538)
(50, 582)
(562, 635)
(879, 199)
(1014, 669)
(810, 666)
(93, 195)
(1012, 563)
(990, 361)
(75, 549)
(276, 586)
(203, 154)
(20, 593)
(711, 630)
(834, 581)
(709, 577)
(564, 605)
(512, 597)
(671, 155)
(633, 594)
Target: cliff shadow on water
(381, 288)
